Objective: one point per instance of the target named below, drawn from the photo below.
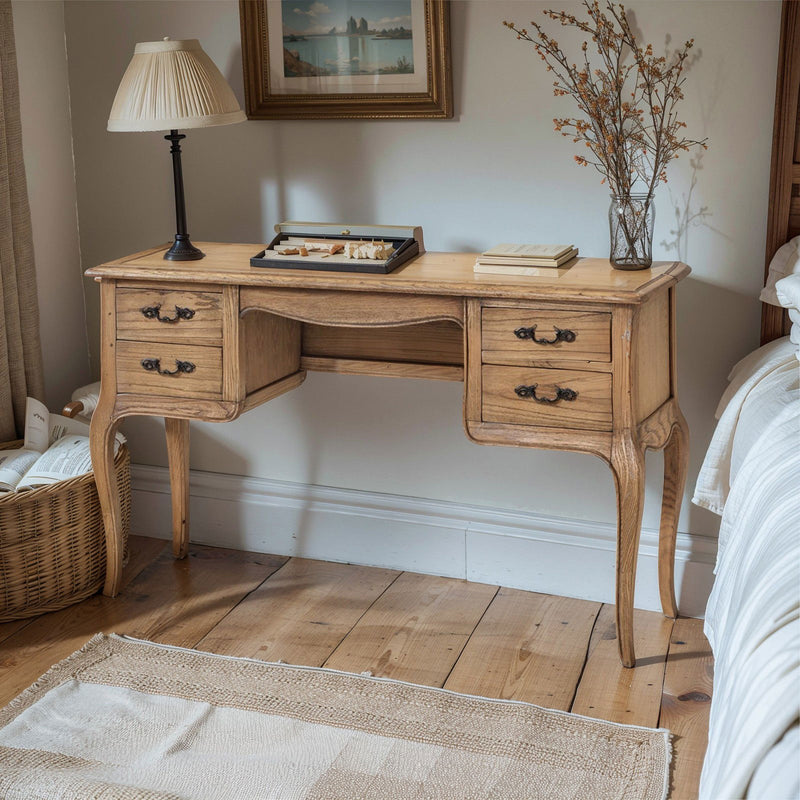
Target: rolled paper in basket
(88, 396)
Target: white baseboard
(523, 550)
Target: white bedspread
(752, 620)
(744, 391)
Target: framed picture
(346, 59)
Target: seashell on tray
(323, 246)
(368, 250)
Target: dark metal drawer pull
(154, 365)
(153, 312)
(561, 394)
(565, 335)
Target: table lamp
(170, 85)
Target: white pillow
(787, 290)
(786, 261)
(753, 367)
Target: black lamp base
(183, 250)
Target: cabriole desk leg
(178, 455)
(627, 464)
(101, 445)
(676, 465)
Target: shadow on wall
(711, 320)
(233, 522)
(685, 211)
(296, 173)
(687, 214)
(696, 581)
(220, 518)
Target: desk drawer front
(169, 370)
(161, 315)
(558, 398)
(523, 336)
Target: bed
(751, 478)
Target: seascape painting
(339, 38)
(346, 59)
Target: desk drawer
(163, 315)
(558, 398)
(169, 370)
(523, 336)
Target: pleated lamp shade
(172, 85)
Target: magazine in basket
(55, 448)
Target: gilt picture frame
(346, 59)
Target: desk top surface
(589, 279)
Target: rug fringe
(50, 679)
(669, 777)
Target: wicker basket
(52, 542)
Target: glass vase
(630, 219)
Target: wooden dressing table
(578, 359)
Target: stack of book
(524, 259)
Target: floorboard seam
(363, 613)
(240, 601)
(22, 628)
(464, 646)
(585, 657)
(127, 582)
(664, 674)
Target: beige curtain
(20, 347)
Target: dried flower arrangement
(629, 123)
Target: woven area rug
(123, 718)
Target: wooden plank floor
(468, 637)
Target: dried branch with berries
(627, 99)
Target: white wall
(47, 146)
(497, 172)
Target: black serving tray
(404, 250)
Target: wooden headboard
(783, 219)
